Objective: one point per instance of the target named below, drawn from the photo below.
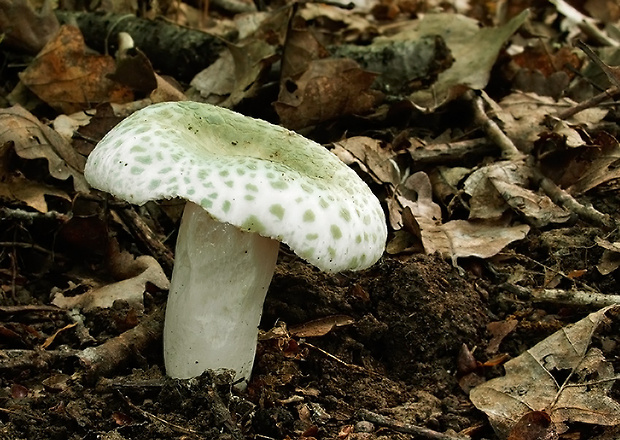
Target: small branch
(610, 93)
(562, 198)
(611, 75)
(30, 216)
(492, 130)
(30, 308)
(19, 360)
(340, 361)
(164, 422)
(406, 428)
(22, 245)
(434, 154)
(146, 235)
(98, 361)
(109, 356)
(577, 298)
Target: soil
(399, 354)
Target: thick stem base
(218, 287)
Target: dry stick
(611, 75)
(30, 216)
(559, 196)
(107, 357)
(30, 308)
(406, 428)
(578, 298)
(492, 130)
(340, 361)
(607, 94)
(19, 359)
(152, 242)
(610, 93)
(164, 422)
(562, 198)
(97, 361)
(451, 151)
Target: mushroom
(249, 185)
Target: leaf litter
(490, 135)
(562, 375)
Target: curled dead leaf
(321, 326)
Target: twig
(155, 418)
(220, 410)
(21, 414)
(579, 298)
(406, 428)
(340, 361)
(451, 151)
(491, 129)
(146, 235)
(19, 244)
(98, 361)
(107, 357)
(586, 24)
(610, 93)
(30, 216)
(562, 198)
(30, 308)
(20, 360)
(611, 76)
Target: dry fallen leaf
(146, 270)
(501, 186)
(330, 88)
(499, 330)
(610, 260)
(24, 28)
(523, 116)
(474, 50)
(562, 375)
(32, 140)
(240, 70)
(372, 156)
(321, 326)
(456, 238)
(68, 78)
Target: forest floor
(488, 131)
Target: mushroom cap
(247, 172)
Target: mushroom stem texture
(220, 279)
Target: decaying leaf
(372, 156)
(563, 376)
(321, 326)
(474, 50)
(610, 260)
(144, 269)
(69, 79)
(32, 140)
(501, 186)
(329, 88)
(403, 65)
(523, 116)
(24, 28)
(239, 71)
(456, 238)
(17, 187)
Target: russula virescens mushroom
(249, 185)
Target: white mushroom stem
(220, 279)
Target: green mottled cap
(258, 176)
